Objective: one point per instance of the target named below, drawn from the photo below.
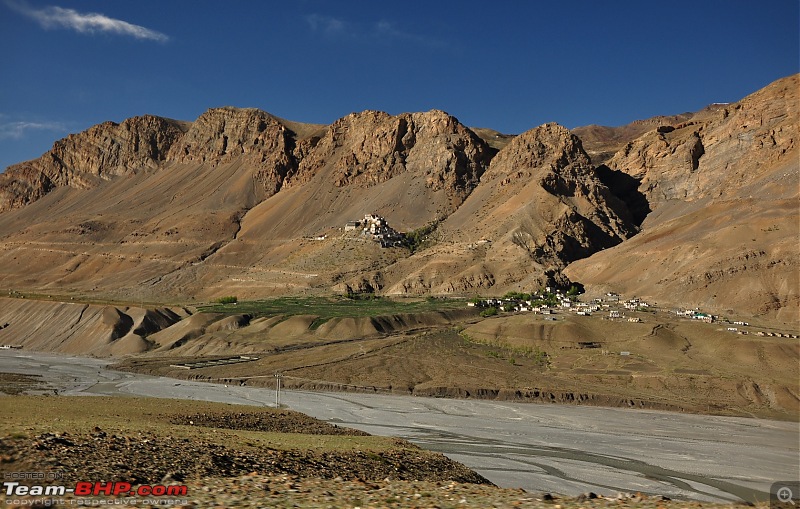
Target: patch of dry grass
(82, 414)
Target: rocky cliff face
(602, 142)
(225, 135)
(574, 211)
(367, 148)
(720, 154)
(361, 149)
(85, 159)
(538, 207)
(723, 188)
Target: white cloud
(17, 130)
(387, 30)
(328, 25)
(85, 23)
(382, 30)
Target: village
(611, 306)
(550, 301)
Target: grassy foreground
(114, 415)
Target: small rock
(173, 477)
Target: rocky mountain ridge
(718, 154)
(602, 142)
(371, 147)
(538, 206)
(364, 149)
(86, 159)
(228, 203)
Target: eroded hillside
(724, 190)
(696, 209)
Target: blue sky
(511, 66)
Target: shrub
(419, 238)
(539, 357)
(351, 295)
(489, 312)
(229, 299)
(517, 296)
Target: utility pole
(278, 377)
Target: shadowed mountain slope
(539, 206)
(723, 233)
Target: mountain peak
(370, 147)
(83, 160)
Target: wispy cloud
(18, 130)
(84, 23)
(386, 30)
(379, 31)
(327, 25)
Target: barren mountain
(695, 209)
(85, 160)
(602, 142)
(234, 203)
(723, 231)
(369, 148)
(539, 206)
(734, 151)
(243, 136)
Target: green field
(332, 307)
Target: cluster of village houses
(695, 314)
(558, 301)
(611, 305)
(377, 228)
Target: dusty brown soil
(671, 364)
(283, 421)
(13, 383)
(147, 458)
(286, 491)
